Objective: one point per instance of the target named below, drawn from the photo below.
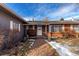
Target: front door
(39, 30)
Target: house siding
(10, 37)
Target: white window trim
(76, 28)
(11, 25)
(19, 27)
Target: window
(76, 28)
(17, 27)
(56, 28)
(14, 26)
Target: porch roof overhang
(52, 22)
(65, 22)
(37, 23)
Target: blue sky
(54, 11)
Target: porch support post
(71, 27)
(49, 28)
(50, 31)
(46, 29)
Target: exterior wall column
(71, 27)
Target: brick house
(54, 28)
(13, 28)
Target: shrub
(69, 34)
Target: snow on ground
(62, 49)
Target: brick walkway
(41, 48)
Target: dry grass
(73, 44)
(41, 48)
(70, 41)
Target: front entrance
(39, 30)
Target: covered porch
(37, 30)
(57, 29)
